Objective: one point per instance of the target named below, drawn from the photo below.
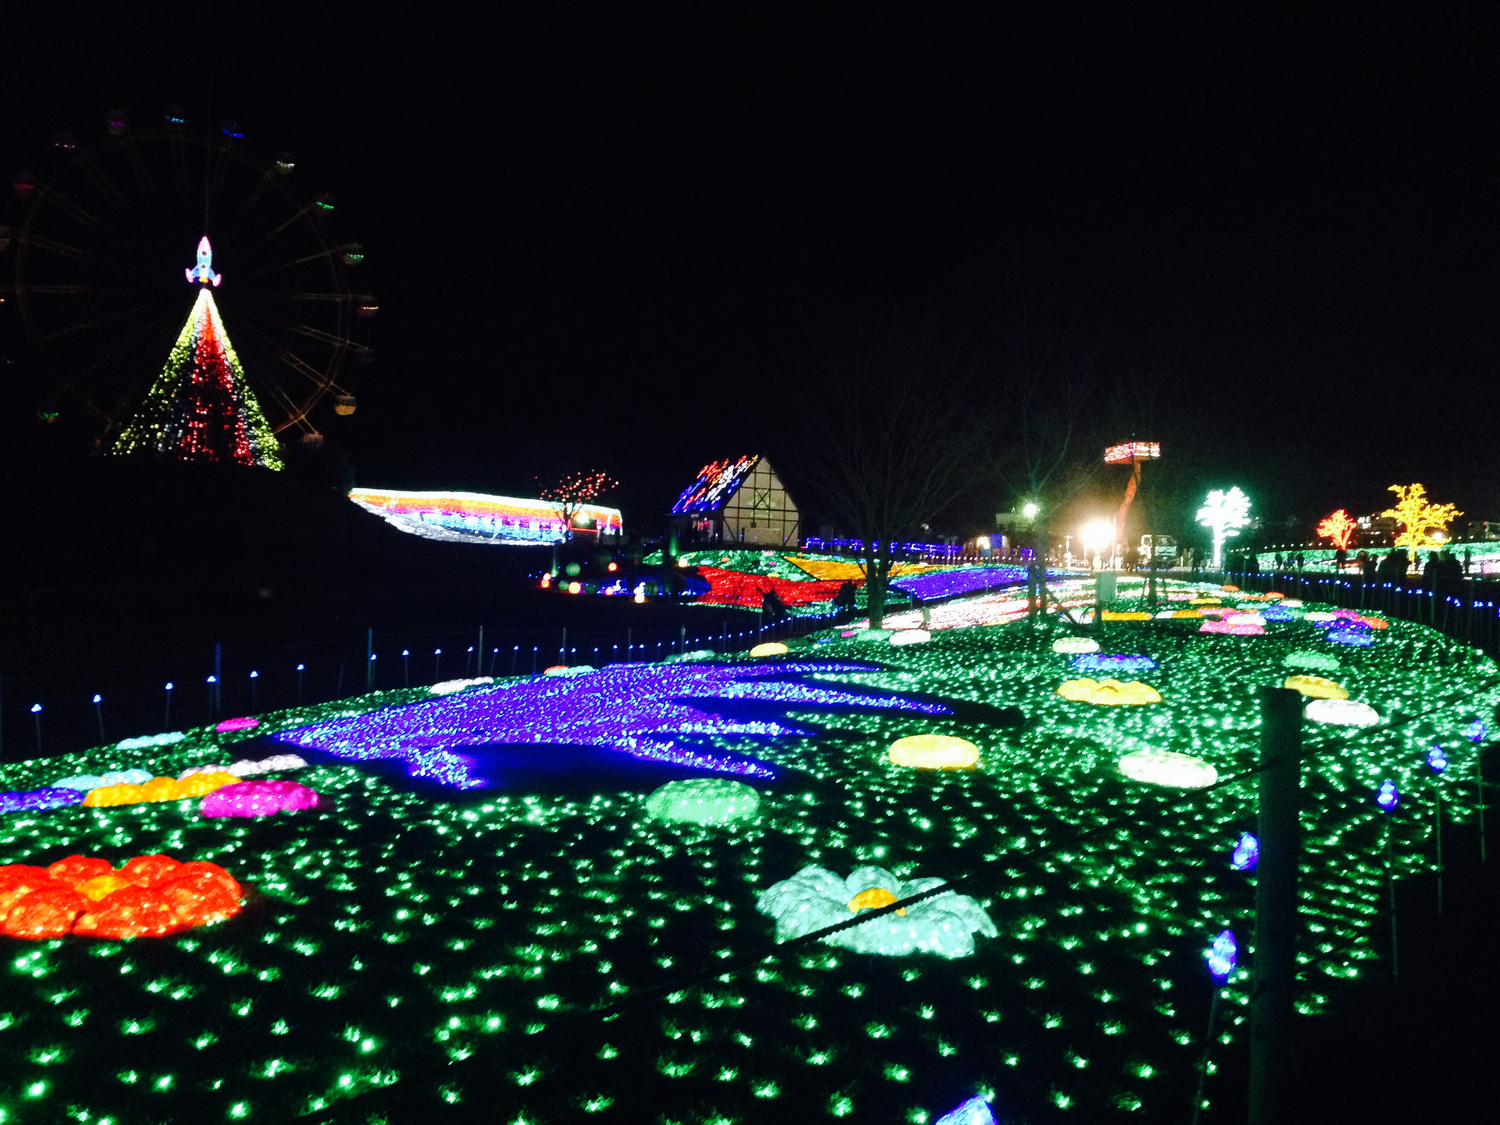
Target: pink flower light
(258, 798)
(243, 723)
(1231, 630)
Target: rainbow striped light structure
(477, 517)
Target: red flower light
(151, 896)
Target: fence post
(1273, 991)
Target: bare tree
(894, 436)
(1049, 403)
(574, 492)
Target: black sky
(594, 228)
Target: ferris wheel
(91, 274)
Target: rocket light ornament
(201, 407)
(204, 270)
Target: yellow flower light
(934, 752)
(874, 899)
(769, 648)
(1112, 615)
(1109, 693)
(158, 789)
(1316, 687)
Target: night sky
(597, 233)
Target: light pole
(1036, 575)
(1388, 797)
(1221, 957)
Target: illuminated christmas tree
(201, 407)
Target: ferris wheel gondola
(95, 284)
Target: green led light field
(556, 955)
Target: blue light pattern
(975, 1111)
(1246, 853)
(636, 709)
(1222, 956)
(1388, 798)
(1437, 761)
(1101, 662)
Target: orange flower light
(151, 896)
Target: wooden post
(1275, 967)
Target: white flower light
(816, 898)
(1342, 713)
(1164, 767)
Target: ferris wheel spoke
(326, 254)
(338, 342)
(121, 347)
(42, 242)
(101, 181)
(322, 380)
(338, 297)
(95, 322)
(138, 166)
(294, 413)
(31, 240)
(75, 211)
(266, 179)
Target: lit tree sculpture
(570, 494)
(1224, 513)
(1338, 529)
(201, 408)
(1418, 517)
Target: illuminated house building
(473, 517)
(740, 500)
(201, 408)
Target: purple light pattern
(948, 583)
(636, 709)
(52, 797)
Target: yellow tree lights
(1418, 518)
